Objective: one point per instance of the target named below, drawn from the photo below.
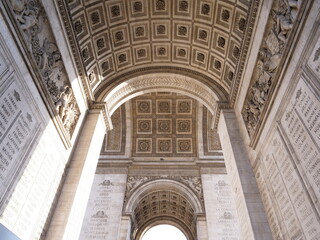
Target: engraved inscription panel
(291, 196)
(301, 123)
(268, 204)
(281, 196)
(103, 214)
(18, 127)
(220, 207)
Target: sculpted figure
(50, 56)
(63, 101)
(284, 25)
(26, 16)
(254, 109)
(284, 18)
(294, 7)
(18, 5)
(69, 117)
(268, 62)
(258, 95)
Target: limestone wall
(32, 154)
(287, 169)
(104, 210)
(286, 157)
(221, 214)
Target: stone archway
(164, 201)
(167, 82)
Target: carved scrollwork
(279, 26)
(32, 22)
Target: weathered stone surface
(103, 214)
(220, 207)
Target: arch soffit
(163, 184)
(133, 87)
(221, 90)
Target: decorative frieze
(32, 23)
(194, 183)
(280, 24)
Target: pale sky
(166, 232)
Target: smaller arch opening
(163, 231)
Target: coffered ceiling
(167, 204)
(118, 39)
(162, 126)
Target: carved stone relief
(194, 183)
(32, 22)
(281, 21)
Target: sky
(161, 232)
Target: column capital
(102, 106)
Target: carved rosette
(194, 183)
(39, 40)
(264, 79)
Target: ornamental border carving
(192, 182)
(253, 11)
(162, 82)
(271, 63)
(63, 11)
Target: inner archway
(163, 231)
(163, 82)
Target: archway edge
(163, 184)
(164, 220)
(169, 82)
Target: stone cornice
(102, 106)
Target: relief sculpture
(133, 182)
(280, 23)
(31, 19)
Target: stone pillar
(67, 219)
(103, 218)
(202, 230)
(251, 214)
(125, 227)
(222, 219)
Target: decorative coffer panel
(164, 125)
(201, 36)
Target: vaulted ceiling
(204, 39)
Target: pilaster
(67, 219)
(252, 218)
